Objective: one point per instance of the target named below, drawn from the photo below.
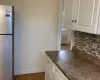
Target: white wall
(35, 32)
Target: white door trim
(60, 25)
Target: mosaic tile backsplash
(89, 43)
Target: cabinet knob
(72, 20)
(75, 20)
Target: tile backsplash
(89, 43)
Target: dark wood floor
(65, 47)
(35, 76)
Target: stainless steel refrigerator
(6, 42)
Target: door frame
(60, 25)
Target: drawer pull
(75, 20)
(72, 20)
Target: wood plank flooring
(65, 47)
(35, 76)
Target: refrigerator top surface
(7, 6)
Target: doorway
(65, 39)
(64, 35)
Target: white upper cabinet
(87, 15)
(68, 13)
(81, 15)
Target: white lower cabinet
(49, 71)
(47, 75)
(58, 76)
(53, 73)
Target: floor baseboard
(29, 71)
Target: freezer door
(5, 19)
(5, 57)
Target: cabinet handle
(75, 20)
(72, 20)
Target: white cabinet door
(47, 75)
(49, 70)
(58, 76)
(69, 13)
(87, 15)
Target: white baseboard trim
(29, 71)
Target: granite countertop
(76, 65)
